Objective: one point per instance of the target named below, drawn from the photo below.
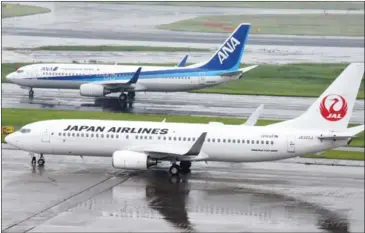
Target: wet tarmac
(74, 194)
(254, 54)
(92, 21)
(180, 103)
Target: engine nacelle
(124, 159)
(93, 90)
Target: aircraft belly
(56, 84)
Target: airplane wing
(183, 61)
(240, 71)
(124, 84)
(251, 121)
(164, 150)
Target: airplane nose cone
(10, 77)
(10, 139)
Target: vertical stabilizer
(333, 109)
(228, 56)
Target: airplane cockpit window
(24, 130)
(20, 71)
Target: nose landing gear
(41, 161)
(31, 93)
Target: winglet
(251, 121)
(195, 149)
(135, 77)
(183, 61)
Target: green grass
(273, 5)
(15, 118)
(307, 80)
(315, 24)
(336, 154)
(13, 10)
(112, 48)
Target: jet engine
(93, 90)
(124, 159)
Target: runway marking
(32, 221)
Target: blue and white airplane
(99, 80)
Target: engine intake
(124, 159)
(93, 90)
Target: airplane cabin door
(291, 144)
(201, 78)
(45, 136)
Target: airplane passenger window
(179, 138)
(86, 135)
(252, 142)
(229, 140)
(92, 135)
(262, 142)
(224, 140)
(193, 139)
(233, 140)
(150, 137)
(164, 138)
(73, 134)
(243, 141)
(145, 137)
(159, 138)
(208, 139)
(97, 135)
(272, 142)
(107, 136)
(117, 136)
(174, 138)
(111, 135)
(102, 135)
(257, 142)
(267, 142)
(218, 140)
(238, 141)
(248, 141)
(213, 140)
(82, 134)
(188, 139)
(59, 134)
(127, 136)
(64, 134)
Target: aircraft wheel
(185, 166)
(33, 161)
(174, 170)
(41, 162)
(31, 93)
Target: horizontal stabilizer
(347, 134)
(239, 72)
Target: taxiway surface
(277, 108)
(74, 194)
(93, 21)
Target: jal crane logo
(227, 49)
(333, 107)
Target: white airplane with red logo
(141, 144)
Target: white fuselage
(223, 142)
(72, 76)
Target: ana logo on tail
(227, 49)
(328, 110)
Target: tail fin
(228, 56)
(333, 109)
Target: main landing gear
(31, 93)
(184, 167)
(41, 161)
(126, 100)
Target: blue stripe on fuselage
(194, 72)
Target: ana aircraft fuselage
(151, 78)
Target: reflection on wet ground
(179, 103)
(74, 194)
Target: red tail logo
(333, 109)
